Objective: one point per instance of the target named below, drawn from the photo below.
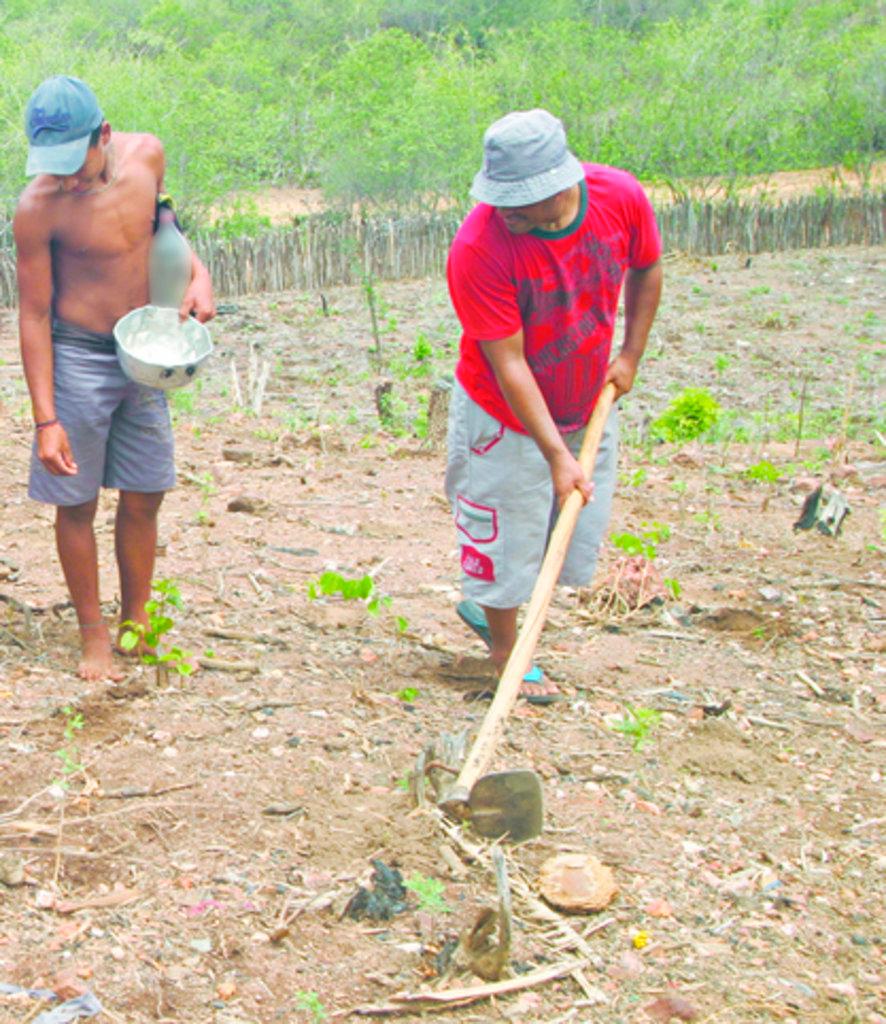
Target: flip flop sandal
(471, 614)
(537, 677)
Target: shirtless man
(83, 230)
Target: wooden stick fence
(329, 249)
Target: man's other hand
(54, 451)
(198, 301)
(567, 476)
(621, 372)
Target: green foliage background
(386, 101)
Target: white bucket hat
(525, 160)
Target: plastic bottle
(169, 264)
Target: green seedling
(645, 544)
(408, 694)
(310, 1002)
(673, 587)
(763, 472)
(708, 518)
(70, 753)
(149, 637)
(429, 892)
(721, 364)
(692, 413)
(360, 588)
(637, 723)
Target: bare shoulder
(35, 210)
(141, 148)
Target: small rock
(67, 985)
(841, 990)
(577, 882)
(237, 455)
(244, 503)
(12, 870)
(44, 899)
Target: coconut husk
(576, 882)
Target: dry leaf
(226, 989)
(658, 908)
(669, 1007)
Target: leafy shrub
(763, 472)
(692, 413)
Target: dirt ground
(186, 849)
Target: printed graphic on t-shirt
(566, 316)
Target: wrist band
(46, 423)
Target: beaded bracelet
(46, 423)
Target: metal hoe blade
(507, 805)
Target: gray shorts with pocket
(499, 486)
(119, 431)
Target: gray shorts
(119, 431)
(499, 486)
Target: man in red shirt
(535, 273)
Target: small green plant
(763, 472)
(360, 588)
(644, 544)
(721, 364)
(183, 401)
(310, 1002)
(692, 413)
(673, 587)
(708, 518)
(429, 892)
(149, 637)
(408, 694)
(69, 755)
(637, 723)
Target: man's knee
(76, 515)
(140, 505)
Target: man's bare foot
(97, 658)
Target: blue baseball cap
(60, 116)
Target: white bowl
(157, 349)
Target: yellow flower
(640, 939)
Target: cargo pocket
(488, 440)
(478, 523)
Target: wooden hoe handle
(521, 656)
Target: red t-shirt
(560, 287)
